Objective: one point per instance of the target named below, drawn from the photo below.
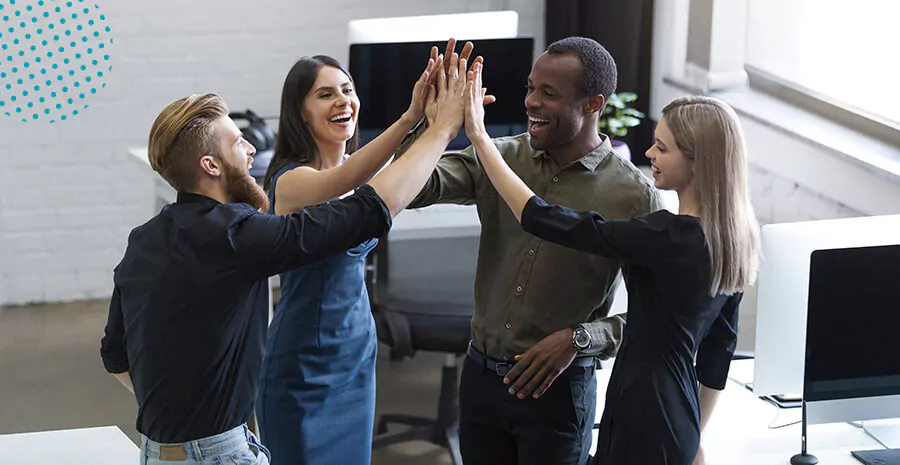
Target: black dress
(652, 414)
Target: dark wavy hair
(294, 142)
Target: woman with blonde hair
(685, 275)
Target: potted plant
(617, 118)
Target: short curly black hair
(598, 69)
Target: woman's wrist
(409, 118)
(480, 139)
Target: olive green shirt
(526, 288)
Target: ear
(594, 104)
(211, 165)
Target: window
(843, 52)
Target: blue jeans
(238, 447)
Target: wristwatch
(581, 338)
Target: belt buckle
(502, 368)
(172, 453)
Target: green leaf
(627, 97)
(615, 101)
(621, 132)
(630, 121)
(633, 112)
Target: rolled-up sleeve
(112, 346)
(606, 336)
(717, 347)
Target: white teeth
(343, 118)
(534, 120)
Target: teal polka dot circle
(64, 57)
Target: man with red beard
(188, 314)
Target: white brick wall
(779, 200)
(69, 197)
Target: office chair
(409, 324)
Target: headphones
(257, 132)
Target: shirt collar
(592, 159)
(190, 197)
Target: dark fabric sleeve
(717, 348)
(112, 346)
(638, 240)
(270, 244)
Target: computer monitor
(852, 369)
(783, 289)
(384, 74)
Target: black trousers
(497, 428)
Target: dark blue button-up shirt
(188, 315)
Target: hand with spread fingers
(464, 54)
(538, 367)
(447, 98)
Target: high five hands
(464, 54)
(428, 80)
(446, 101)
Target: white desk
(738, 432)
(106, 445)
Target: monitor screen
(385, 73)
(852, 343)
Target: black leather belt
(502, 368)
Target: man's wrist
(581, 338)
(443, 131)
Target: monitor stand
(803, 458)
(886, 432)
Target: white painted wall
(69, 196)
(791, 178)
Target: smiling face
(236, 157)
(555, 102)
(331, 108)
(672, 170)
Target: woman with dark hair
(317, 394)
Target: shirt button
(555, 178)
(508, 326)
(531, 252)
(519, 289)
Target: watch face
(582, 339)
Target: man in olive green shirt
(541, 309)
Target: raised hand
(419, 99)
(475, 95)
(445, 109)
(464, 54)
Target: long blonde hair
(708, 131)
